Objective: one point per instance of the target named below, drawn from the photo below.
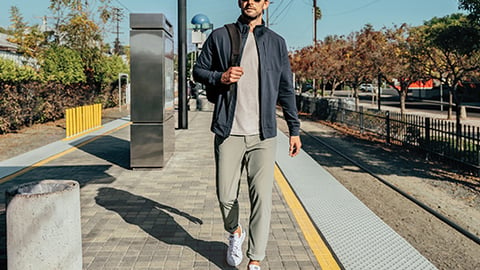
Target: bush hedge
(25, 104)
(29, 96)
(11, 72)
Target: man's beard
(250, 18)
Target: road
(391, 98)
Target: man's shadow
(167, 230)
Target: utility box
(152, 133)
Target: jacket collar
(244, 27)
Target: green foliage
(11, 72)
(453, 33)
(62, 64)
(107, 68)
(80, 26)
(72, 72)
(28, 38)
(473, 6)
(4, 31)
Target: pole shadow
(112, 149)
(166, 229)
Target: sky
(292, 19)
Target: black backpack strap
(235, 42)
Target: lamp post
(200, 24)
(182, 65)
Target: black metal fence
(458, 145)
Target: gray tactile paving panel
(359, 238)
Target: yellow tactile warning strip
(45, 161)
(324, 257)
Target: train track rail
(401, 192)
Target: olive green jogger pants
(257, 157)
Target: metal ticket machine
(152, 133)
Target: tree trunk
(334, 85)
(357, 100)
(403, 97)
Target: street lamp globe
(201, 23)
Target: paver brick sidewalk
(161, 219)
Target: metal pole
(379, 94)
(441, 94)
(182, 65)
(314, 22)
(120, 92)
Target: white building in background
(8, 50)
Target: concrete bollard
(43, 226)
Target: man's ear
(266, 4)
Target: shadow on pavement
(167, 230)
(109, 148)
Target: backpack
(235, 41)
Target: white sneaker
(254, 267)
(234, 252)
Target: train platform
(168, 218)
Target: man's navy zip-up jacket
(275, 79)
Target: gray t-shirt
(247, 111)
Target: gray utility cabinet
(152, 133)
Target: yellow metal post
(82, 119)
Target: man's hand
(232, 75)
(295, 145)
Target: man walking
(244, 122)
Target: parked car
(367, 87)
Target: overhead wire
(275, 19)
(355, 9)
(121, 4)
(277, 7)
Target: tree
(333, 49)
(28, 38)
(17, 24)
(473, 6)
(80, 28)
(4, 31)
(362, 52)
(302, 63)
(401, 63)
(452, 52)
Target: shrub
(26, 100)
(14, 73)
(107, 68)
(62, 64)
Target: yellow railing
(83, 119)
